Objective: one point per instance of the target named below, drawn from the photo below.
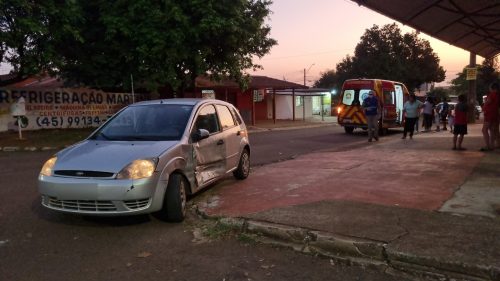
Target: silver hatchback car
(148, 157)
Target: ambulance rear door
(389, 111)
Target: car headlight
(138, 169)
(47, 167)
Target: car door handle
(220, 142)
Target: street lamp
(305, 71)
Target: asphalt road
(273, 146)
(38, 244)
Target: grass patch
(217, 230)
(246, 239)
(45, 137)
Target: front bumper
(102, 197)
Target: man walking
(371, 108)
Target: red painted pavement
(392, 172)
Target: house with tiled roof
(265, 98)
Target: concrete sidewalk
(407, 205)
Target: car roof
(183, 101)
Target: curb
(357, 251)
(253, 129)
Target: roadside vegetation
(111, 44)
(386, 53)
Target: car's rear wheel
(175, 200)
(383, 131)
(243, 169)
(349, 130)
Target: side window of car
(225, 117)
(207, 119)
(236, 116)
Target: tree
(169, 42)
(23, 36)
(328, 79)
(439, 93)
(487, 73)
(387, 54)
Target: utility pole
(305, 71)
(471, 96)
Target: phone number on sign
(69, 121)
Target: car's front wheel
(175, 200)
(243, 169)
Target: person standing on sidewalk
(443, 113)
(371, 108)
(496, 127)
(490, 109)
(451, 118)
(428, 109)
(460, 123)
(437, 119)
(411, 110)
(419, 113)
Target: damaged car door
(208, 147)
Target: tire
(243, 169)
(383, 131)
(174, 203)
(349, 130)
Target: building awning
(262, 82)
(470, 25)
(256, 82)
(311, 92)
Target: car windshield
(160, 122)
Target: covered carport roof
(471, 25)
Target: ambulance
(391, 95)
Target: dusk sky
(322, 32)
(317, 34)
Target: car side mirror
(199, 135)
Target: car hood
(108, 156)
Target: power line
(307, 54)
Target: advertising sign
(471, 73)
(258, 95)
(59, 108)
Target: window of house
(298, 101)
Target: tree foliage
(439, 94)
(386, 53)
(487, 73)
(24, 36)
(167, 42)
(328, 79)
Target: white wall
(284, 108)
